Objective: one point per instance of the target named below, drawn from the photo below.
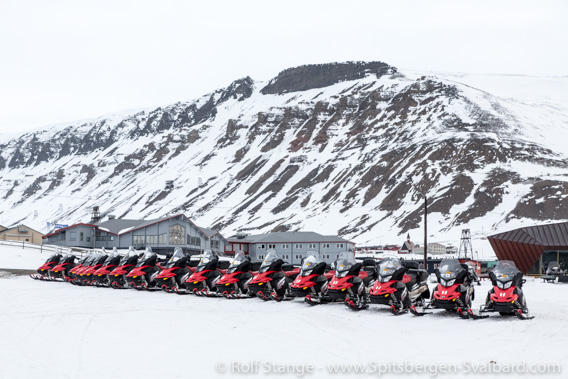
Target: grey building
(290, 246)
(163, 235)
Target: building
(407, 246)
(433, 248)
(163, 235)
(290, 246)
(532, 247)
(20, 233)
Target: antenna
(466, 250)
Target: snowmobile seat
(287, 267)
(410, 264)
(255, 266)
(369, 262)
(223, 265)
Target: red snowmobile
(204, 280)
(61, 271)
(43, 271)
(400, 285)
(234, 284)
(143, 276)
(101, 277)
(311, 284)
(84, 264)
(349, 284)
(454, 292)
(86, 275)
(172, 278)
(117, 277)
(272, 282)
(506, 296)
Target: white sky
(68, 60)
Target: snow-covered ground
(57, 330)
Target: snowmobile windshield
(449, 269)
(387, 267)
(131, 253)
(271, 257)
(178, 254)
(505, 271)
(343, 263)
(91, 259)
(145, 258)
(109, 258)
(208, 256)
(310, 261)
(239, 259)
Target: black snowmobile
(311, 283)
(506, 296)
(172, 278)
(454, 292)
(234, 284)
(400, 285)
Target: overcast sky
(68, 60)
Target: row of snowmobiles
(400, 285)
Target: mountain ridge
(354, 157)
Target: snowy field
(57, 330)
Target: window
(228, 247)
(177, 235)
(340, 246)
(312, 246)
(299, 256)
(237, 246)
(215, 244)
(88, 239)
(138, 240)
(285, 246)
(298, 246)
(260, 246)
(325, 256)
(151, 240)
(325, 245)
(72, 236)
(272, 246)
(162, 238)
(195, 241)
(284, 256)
(260, 256)
(80, 236)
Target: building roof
(119, 226)
(284, 237)
(525, 245)
(7, 230)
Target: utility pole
(425, 233)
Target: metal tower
(466, 250)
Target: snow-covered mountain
(348, 148)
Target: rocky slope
(349, 148)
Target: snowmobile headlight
(448, 283)
(504, 285)
(385, 279)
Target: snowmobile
(172, 278)
(506, 296)
(203, 281)
(118, 275)
(44, 271)
(101, 276)
(87, 275)
(84, 264)
(349, 282)
(143, 276)
(311, 283)
(553, 268)
(399, 285)
(272, 282)
(454, 292)
(234, 284)
(61, 271)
